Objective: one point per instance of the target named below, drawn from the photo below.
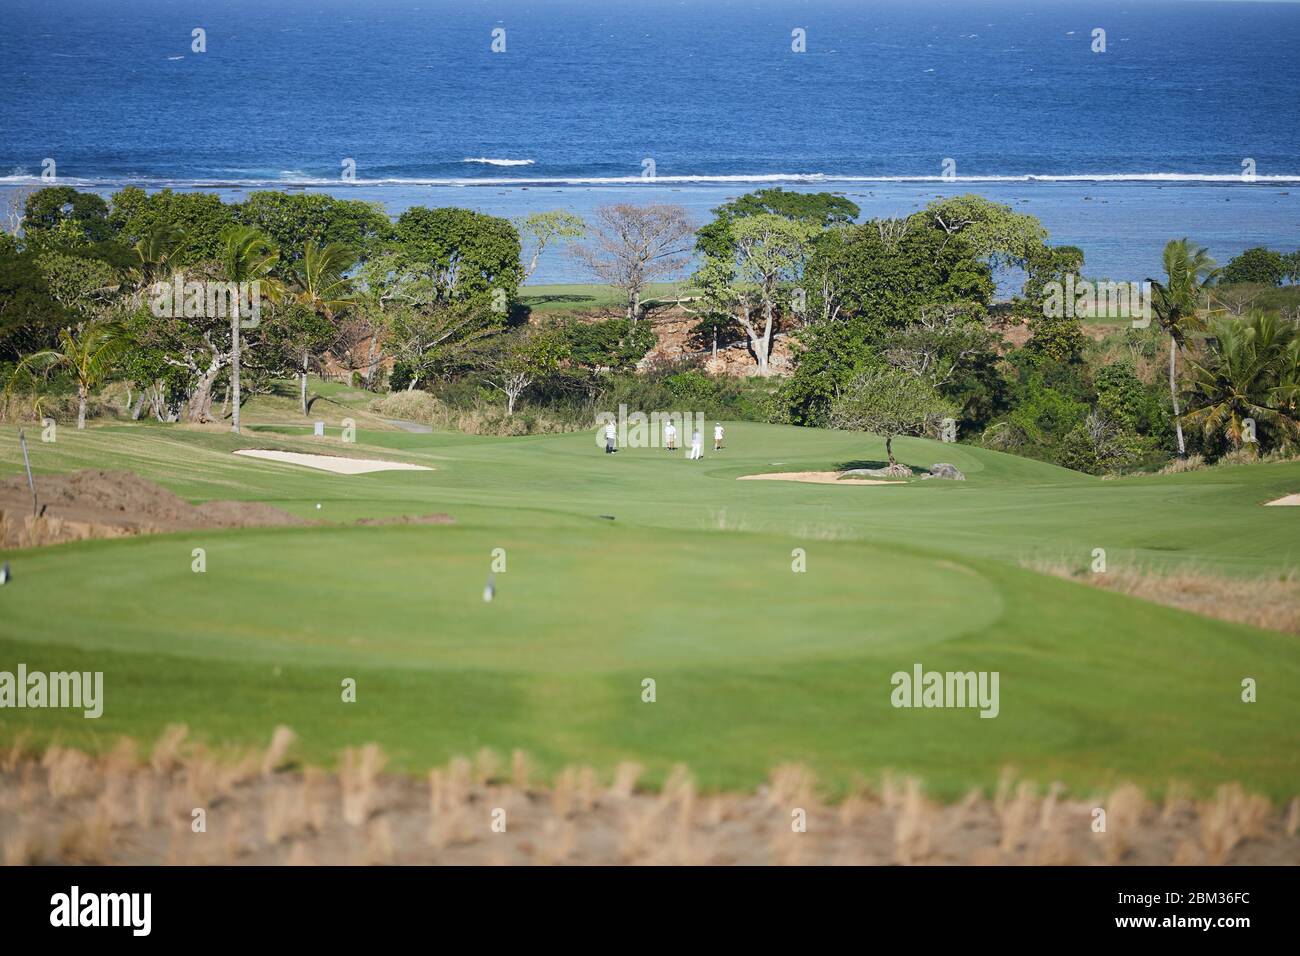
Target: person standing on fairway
(697, 445)
(717, 436)
(670, 436)
(611, 438)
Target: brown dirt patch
(114, 504)
(409, 519)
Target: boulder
(941, 469)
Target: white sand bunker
(1285, 500)
(817, 478)
(340, 466)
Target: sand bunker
(1285, 500)
(114, 504)
(817, 478)
(332, 463)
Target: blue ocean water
(1155, 128)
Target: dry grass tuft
(166, 752)
(358, 770)
(1272, 603)
(273, 758)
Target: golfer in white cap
(717, 436)
(697, 446)
(611, 438)
(670, 436)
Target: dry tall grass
(64, 806)
(1272, 603)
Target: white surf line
(331, 463)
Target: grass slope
(690, 585)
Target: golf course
(770, 615)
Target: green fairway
(690, 585)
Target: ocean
(1185, 124)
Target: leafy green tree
(820, 209)
(291, 220)
(769, 253)
(613, 345)
(523, 358)
(83, 285)
(1255, 265)
(540, 230)
(1050, 264)
(827, 356)
(889, 402)
(1188, 269)
(30, 316)
(890, 269)
(459, 255)
(995, 232)
(201, 217)
(430, 342)
(77, 218)
(88, 351)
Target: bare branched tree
(631, 246)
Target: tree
(247, 256)
(155, 252)
(455, 255)
(428, 341)
(631, 246)
(1050, 264)
(202, 217)
(820, 209)
(996, 233)
(83, 285)
(88, 351)
(85, 216)
(1245, 374)
(542, 229)
(889, 402)
(1256, 265)
(1187, 270)
(30, 316)
(769, 251)
(942, 341)
(888, 270)
(524, 358)
(291, 220)
(321, 287)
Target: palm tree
(87, 350)
(246, 256)
(1187, 270)
(321, 285)
(1244, 376)
(155, 253)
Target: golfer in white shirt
(670, 436)
(717, 436)
(697, 446)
